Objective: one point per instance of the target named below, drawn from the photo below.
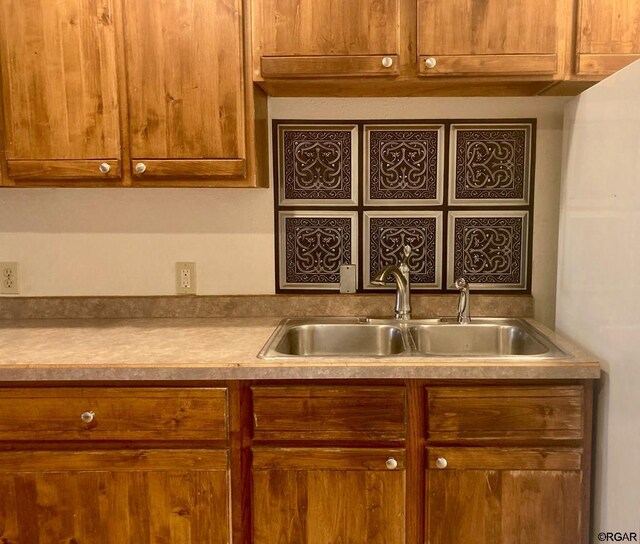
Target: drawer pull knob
(141, 168)
(441, 462)
(391, 463)
(430, 62)
(105, 168)
(87, 417)
(387, 62)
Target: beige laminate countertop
(222, 349)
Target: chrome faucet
(400, 272)
(464, 317)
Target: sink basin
(482, 339)
(340, 339)
(419, 338)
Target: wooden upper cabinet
(489, 37)
(608, 36)
(185, 87)
(59, 88)
(332, 38)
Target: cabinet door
(306, 38)
(608, 36)
(320, 495)
(185, 88)
(105, 497)
(488, 37)
(59, 89)
(503, 495)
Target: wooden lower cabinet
(353, 462)
(107, 497)
(328, 495)
(503, 495)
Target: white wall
(598, 292)
(125, 241)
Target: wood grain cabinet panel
(329, 413)
(116, 414)
(171, 72)
(185, 86)
(608, 36)
(305, 464)
(504, 495)
(311, 38)
(59, 88)
(107, 497)
(315, 496)
(505, 413)
(489, 37)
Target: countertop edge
(580, 371)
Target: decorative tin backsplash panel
(403, 165)
(386, 234)
(355, 192)
(318, 166)
(314, 245)
(490, 164)
(488, 248)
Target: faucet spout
(403, 292)
(400, 272)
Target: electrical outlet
(186, 278)
(9, 279)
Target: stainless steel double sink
(364, 337)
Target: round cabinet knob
(105, 168)
(387, 62)
(430, 62)
(87, 417)
(441, 462)
(391, 463)
(141, 168)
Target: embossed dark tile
(386, 233)
(313, 245)
(489, 249)
(479, 228)
(490, 164)
(403, 164)
(317, 165)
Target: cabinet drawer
(329, 413)
(118, 414)
(504, 412)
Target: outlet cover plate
(9, 280)
(185, 278)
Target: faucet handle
(403, 265)
(406, 253)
